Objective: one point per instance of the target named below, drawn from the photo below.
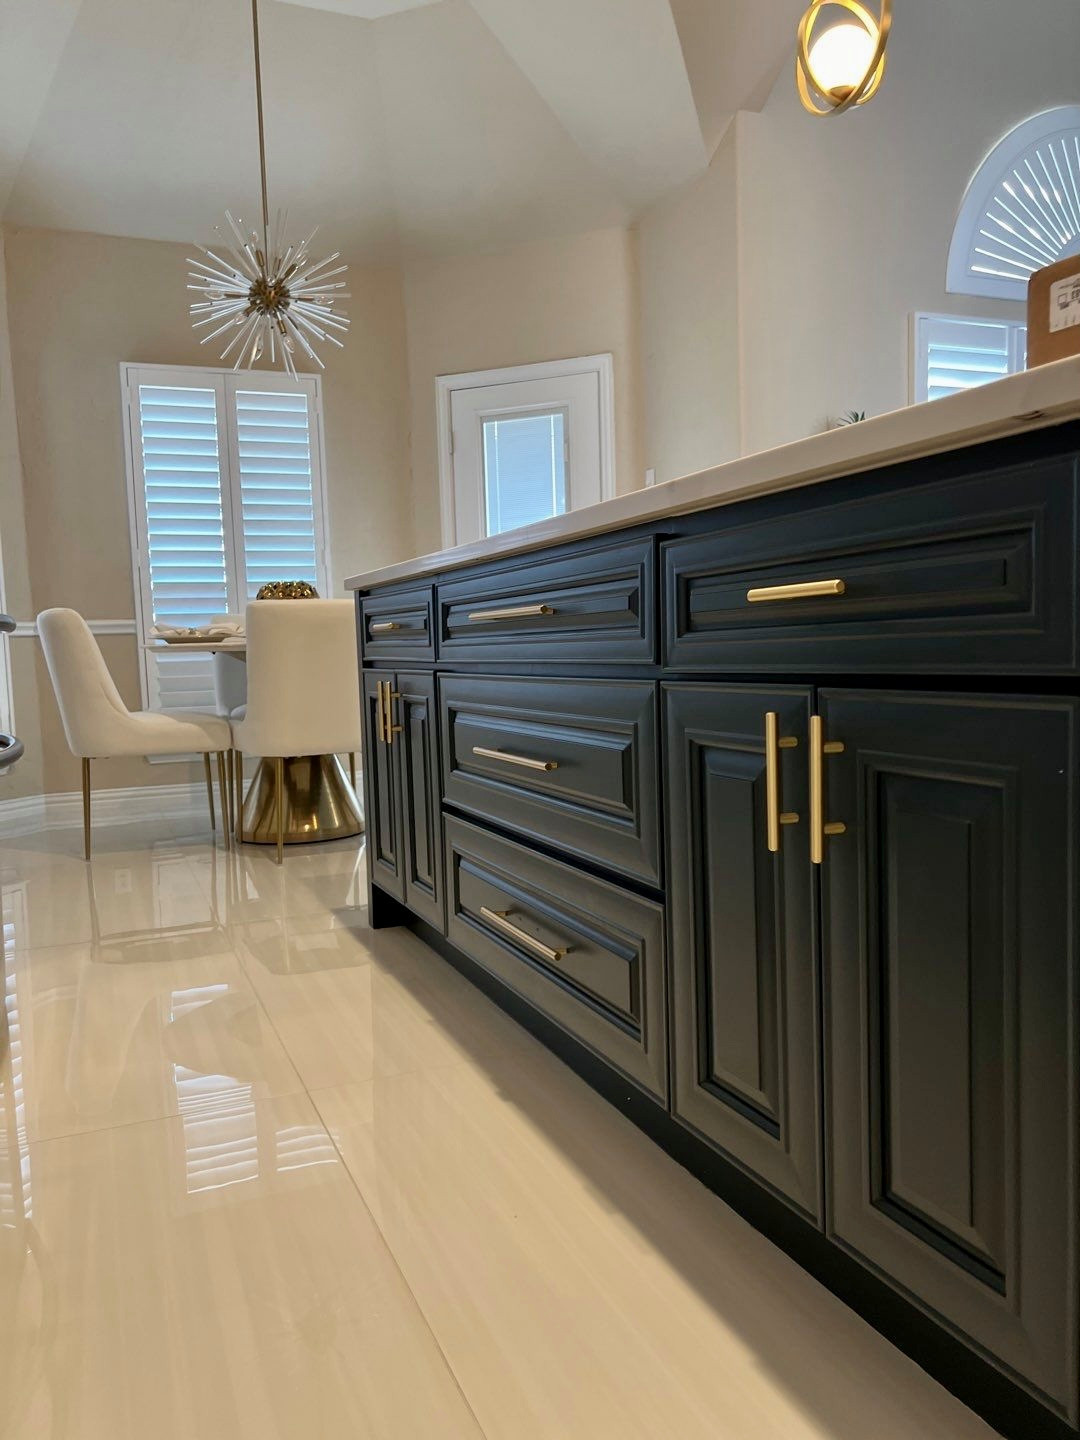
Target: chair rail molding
(98, 627)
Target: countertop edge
(1031, 400)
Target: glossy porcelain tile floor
(267, 1173)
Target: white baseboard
(24, 814)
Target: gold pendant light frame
(832, 102)
(260, 294)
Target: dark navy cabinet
(765, 818)
(572, 763)
(973, 574)
(745, 999)
(950, 985)
(401, 787)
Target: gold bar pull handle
(820, 828)
(381, 711)
(501, 920)
(383, 627)
(774, 816)
(523, 760)
(391, 728)
(803, 590)
(512, 612)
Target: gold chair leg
(86, 807)
(352, 770)
(279, 787)
(209, 789)
(232, 792)
(226, 761)
(231, 773)
(223, 796)
(238, 786)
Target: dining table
(319, 802)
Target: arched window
(1021, 210)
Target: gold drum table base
(319, 803)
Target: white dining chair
(99, 726)
(303, 687)
(230, 691)
(230, 674)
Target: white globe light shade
(841, 56)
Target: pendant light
(841, 65)
(268, 298)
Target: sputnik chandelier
(842, 65)
(269, 298)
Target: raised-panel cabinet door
(418, 747)
(382, 787)
(745, 985)
(950, 1001)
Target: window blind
(524, 469)
(226, 494)
(954, 353)
(273, 437)
(184, 548)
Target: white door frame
(600, 365)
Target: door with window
(226, 492)
(524, 445)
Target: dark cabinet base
(980, 1385)
(861, 912)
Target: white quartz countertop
(1032, 400)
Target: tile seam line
(420, 1310)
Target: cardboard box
(1054, 312)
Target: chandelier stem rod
(262, 136)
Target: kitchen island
(754, 795)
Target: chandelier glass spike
(263, 296)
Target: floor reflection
(245, 885)
(224, 1142)
(15, 1191)
(22, 1267)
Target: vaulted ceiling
(402, 126)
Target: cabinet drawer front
(596, 605)
(588, 954)
(963, 575)
(571, 763)
(951, 971)
(397, 626)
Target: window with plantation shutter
(226, 493)
(273, 434)
(954, 353)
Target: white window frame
(994, 168)
(602, 366)
(7, 692)
(212, 377)
(921, 322)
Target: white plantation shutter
(226, 492)
(954, 353)
(277, 502)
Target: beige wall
(777, 290)
(688, 255)
(846, 223)
(79, 305)
(26, 777)
(547, 301)
(743, 311)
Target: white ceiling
(365, 9)
(414, 126)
